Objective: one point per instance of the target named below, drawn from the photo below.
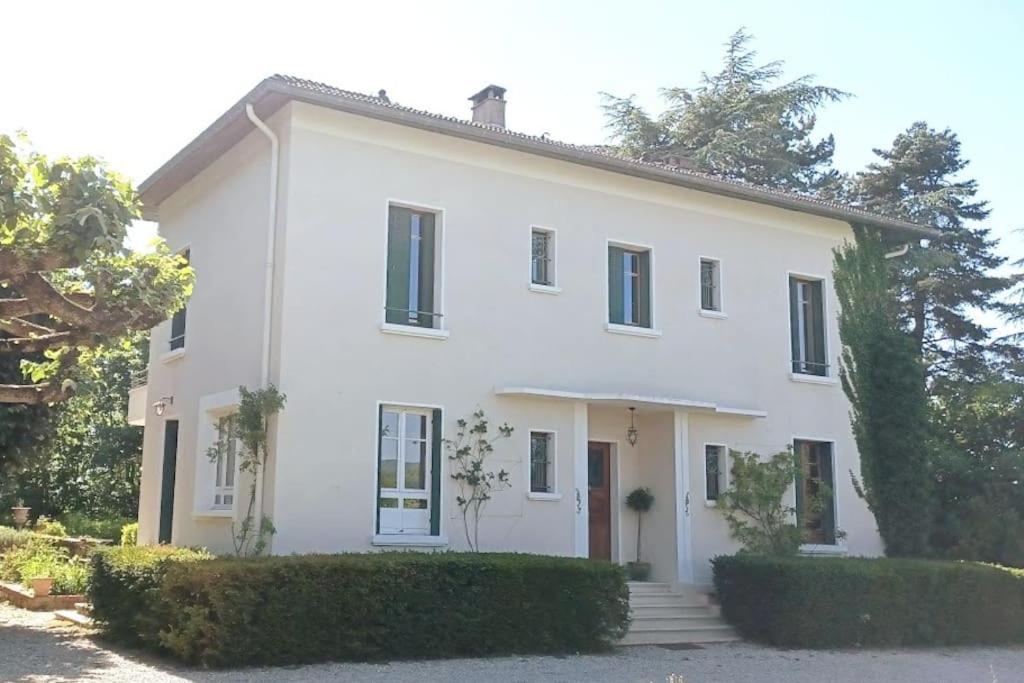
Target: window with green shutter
(411, 276)
(807, 326)
(409, 471)
(629, 286)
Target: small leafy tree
(467, 453)
(251, 431)
(639, 500)
(753, 507)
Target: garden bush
(42, 557)
(10, 538)
(49, 527)
(843, 602)
(290, 610)
(130, 534)
(108, 528)
(125, 587)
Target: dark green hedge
(842, 602)
(290, 610)
(124, 590)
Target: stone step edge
(74, 617)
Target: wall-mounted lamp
(631, 433)
(160, 406)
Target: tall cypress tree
(743, 123)
(883, 378)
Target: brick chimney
(489, 106)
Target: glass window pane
(540, 478)
(415, 464)
(595, 470)
(389, 463)
(711, 468)
(415, 503)
(388, 502)
(389, 424)
(415, 426)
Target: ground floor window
(409, 471)
(227, 447)
(815, 480)
(542, 462)
(714, 471)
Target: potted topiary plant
(640, 501)
(20, 513)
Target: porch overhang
(638, 400)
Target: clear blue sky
(133, 82)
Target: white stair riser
(645, 587)
(671, 623)
(675, 637)
(641, 612)
(667, 599)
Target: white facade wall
(335, 363)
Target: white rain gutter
(268, 295)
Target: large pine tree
(743, 123)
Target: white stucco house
(393, 270)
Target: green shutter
(828, 512)
(816, 330)
(644, 303)
(170, 468)
(435, 474)
(615, 274)
(426, 284)
(794, 326)
(399, 237)
(799, 483)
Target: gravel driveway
(33, 648)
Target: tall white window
(714, 472)
(542, 462)
(226, 464)
(412, 294)
(408, 476)
(542, 257)
(629, 286)
(807, 326)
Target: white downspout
(268, 295)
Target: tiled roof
(602, 151)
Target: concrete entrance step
(669, 636)
(74, 617)
(674, 609)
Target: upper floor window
(412, 271)
(409, 471)
(542, 257)
(710, 285)
(542, 462)
(177, 340)
(807, 326)
(629, 286)
(815, 492)
(225, 464)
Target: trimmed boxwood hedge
(842, 602)
(125, 587)
(308, 608)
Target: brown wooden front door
(599, 497)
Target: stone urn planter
(20, 514)
(41, 586)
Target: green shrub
(42, 557)
(843, 602)
(289, 610)
(108, 528)
(124, 588)
(49, 527)
(130, 534)
(10, 538)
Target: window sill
(716, 315)
(710, 503)
(411, 331)
(812, 379)
(545, 289)
(213, 513)
(172, 356)
(820, 549)
(390, 540)
(632, 331)
(532, 495)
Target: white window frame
(630, 330)
(212, 408)
(440, 330)
(829, 378)
(723, 470)
(715, 313)
(552, 288)
(405, 540)
(170, 355)
(840, 547)
(554, 493)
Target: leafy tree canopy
(67, 281)
(743, 123)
